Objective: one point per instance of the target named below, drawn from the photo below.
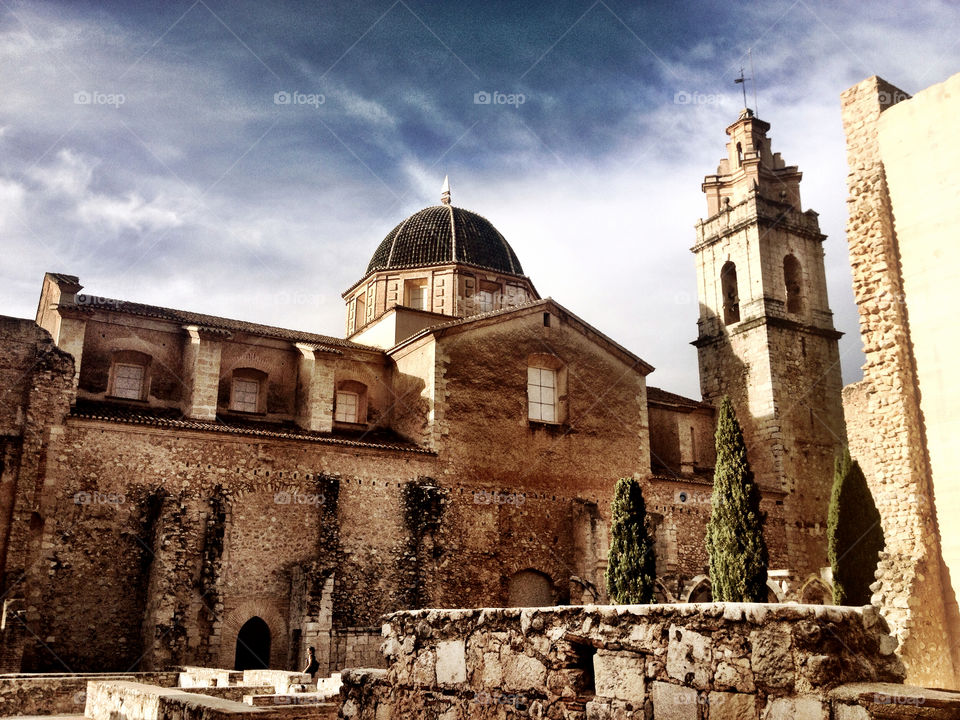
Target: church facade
(179, 488)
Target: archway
(816, 592)
(701, 593)
(253, 646)
(530, 588)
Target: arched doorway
(530, 588)
(701, 593)
(253, 646)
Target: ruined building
(903, 417)
(183, 488)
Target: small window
(246, 393)
(542, 394)
(348, 405)
(128, 381)
(416, 295)
(792, 275)
(739, 155)
(360, 313)
(731, 295)
(483, 301)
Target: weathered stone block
(795, 708)
(451, 662)
(732, 706)
(689, 657)
(674, 702)
(772, 659)
(619, 675)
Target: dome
(445, 234)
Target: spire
(445, 191)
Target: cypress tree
(854, 535)
(738, 552)
(631, 566)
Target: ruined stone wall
(715, 661)
(884, 418)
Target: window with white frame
(542, 394)
(128, 381)
(416, 295)
(245, 395)
(348, 407)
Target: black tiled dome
(445, 234)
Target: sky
(245, 159)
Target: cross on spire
(742, 82)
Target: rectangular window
(348, 404)
(360, 313)
(416, 295)
(128, 381)
(542, 394)
(245, 394)
(483, 301)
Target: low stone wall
(236, 693)
(61, 693)
(712, 661)
(281, 680)
(194, 676)
(122, 700)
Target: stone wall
(356, 647)
(718, 661)
(61, 694)
(887, 425)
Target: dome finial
(445, 191)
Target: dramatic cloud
(245, 158)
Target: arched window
(731, 295)
(129, 375)
(253, 646)
(248, 391)
(530, 588)
(739, 155)
(350, 404)
(792, 279)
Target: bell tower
(766, 335)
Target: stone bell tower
(766, 335)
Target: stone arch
(530, 588)
(816, 592)
(236, 618)
(774, 592)
(252, 648)
(698, 589)
(661, 594)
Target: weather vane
(742, 81)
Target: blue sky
(146, 147)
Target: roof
(184, 317)
(172, 418)
(445, 234)
(656, 395)
(472, 319)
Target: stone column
(315, 389)
(201, 371)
